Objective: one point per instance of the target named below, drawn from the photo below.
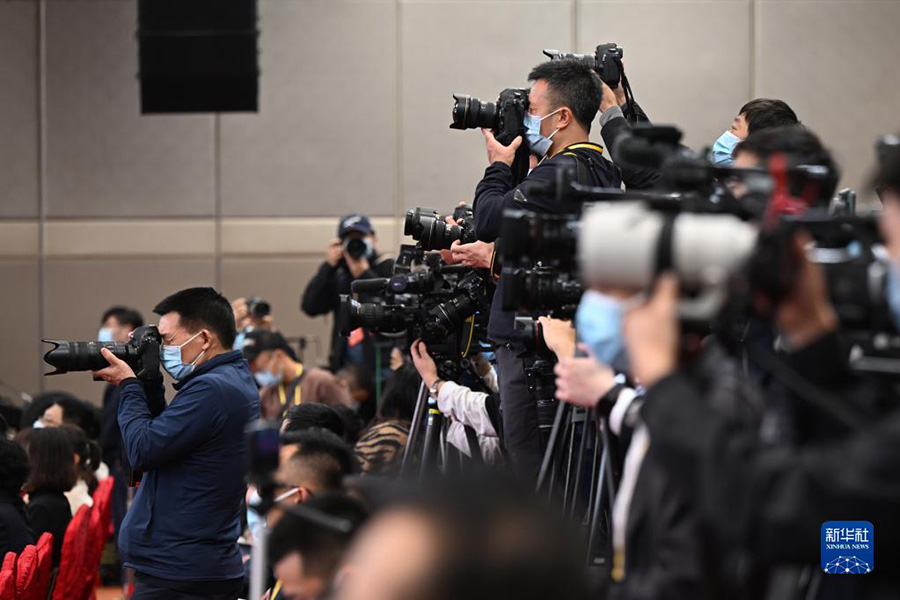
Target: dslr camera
(606, 61)
(258, 308)
(431, 230)
(505, 118)
(141, 353)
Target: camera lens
(259, 308)
(470, 113)
(85, 356)
(355, 247)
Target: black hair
(766, 113)
(88, 452)
(52, 461)
(400, 394)
(39, 405)
(80, 414)
(309, 415)
(201, 307)
(353, 423)
(327, 455)
(799, 146)
(320, 547)
(573, 84)
(14, 467)
(124, 315)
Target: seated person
(380, 449)
(14, 531)
(307, 416)
(282, 378)
(52, 463)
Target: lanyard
(283, 397)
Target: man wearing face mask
(116, 326)
(563, 102)
(350, 256)
(756, 115)
(284, 382)
(180, 535)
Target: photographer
(563, 101)
(181, 532)
(475, 416)
(351, 256)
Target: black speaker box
(198, 56)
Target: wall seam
(398, 117)
(42, 176)
(217, 193)
(576, 13)
(753, 46)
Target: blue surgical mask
(598, 322)
(893, 292)
(539, 144)
(172, 363)
(266, 378)
(105, 335)
(239, 340)
(723, 149)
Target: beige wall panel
(475, 48)
(19, 239)
(103, 157)
(78, 291)
(20, 343)
(119, 238)
(688, 62)
(19, 109)
(281, 281)
(310, 235)
(323, 140)
(835, 64)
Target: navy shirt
(186, 516)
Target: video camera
(444, 305)
(432, 232)
(141, 353)
(505, 118)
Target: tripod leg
(598, 505)
(570, 454)
(432, 438)
(549, 453)
(414, 430)
(579, 462)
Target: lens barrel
(85, 356)
(471, 113)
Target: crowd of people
(727, 453)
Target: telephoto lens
(141, 353)
(385, 318)
(470, 113)
(432, 231)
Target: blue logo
(848, 547)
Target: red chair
(103, 501)
(44, 563)
(100, 530)
(70, 579)
(27, 581)
(8, 576)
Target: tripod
(563, 470)
(426, 412)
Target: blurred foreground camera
(433, 232)
(141, 353)
(532, 236)
(542, 289)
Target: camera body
(444, 305)
(258, 308)
(141, 353)
(432, 232)
(606, 61)
(505, 118)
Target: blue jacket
(186, 516)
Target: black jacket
(322, 296)
(495, 193)
(616, 124)
(110, 436)
(49, 511)
(14, 532)
(770, 502)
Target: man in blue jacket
(180, 535)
